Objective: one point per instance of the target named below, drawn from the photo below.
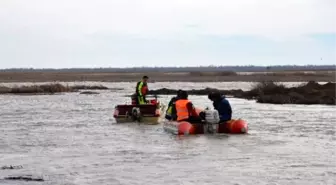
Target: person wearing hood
(222, 105)
(171, 110)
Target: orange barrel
(237, 126)
(185, 128)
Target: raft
(233, 126)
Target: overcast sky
(127, 33)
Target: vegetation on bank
(275, 93)
(19, 178)
(221, 73)
(274, 74)
(262, 92)
(86, 87)
(170, 76)
(237, 68)
(47, 89)
(23, 178)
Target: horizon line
(177, 67)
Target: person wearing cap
(171, 110)
(185, 110)
(222, 105)
(142, 90)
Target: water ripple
(71, 139)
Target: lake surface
(72, 139)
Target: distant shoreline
(162, 69)
(263, 92)
(223, 76)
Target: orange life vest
(182, 109)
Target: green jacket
(139, 86)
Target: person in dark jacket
(222, 105)
(171, 110)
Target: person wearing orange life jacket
(141, 91)
(185, 110)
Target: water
(72, 139)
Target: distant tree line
(249, 68)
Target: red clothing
(144, 90)
(191, 109)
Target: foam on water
(73, 139)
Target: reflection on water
(73, 139)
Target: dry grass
(46, 89)
(276, 93)
(97, 87)
(222, 73)
(309, 93)
(299, 73)
(37, 89)
(164, 77)
(23, 178)
(269, 87)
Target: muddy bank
(48, 89)
(206, 91)
(88, 92)
(23, 178)
(275, 93)
(10, 167)
(94, 87)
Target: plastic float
(211, 125)
(146, 113)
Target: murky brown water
(72, 139)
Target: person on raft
(185, 110)
(171, 110)
(222, 105)
(141, 91)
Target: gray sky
(111, 33)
